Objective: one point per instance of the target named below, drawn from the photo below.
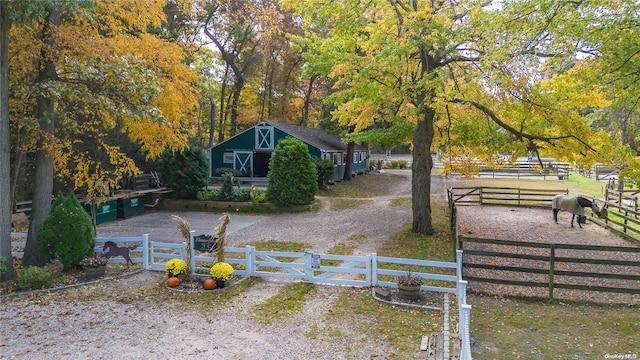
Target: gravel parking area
(116, 319)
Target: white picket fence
(350, 270)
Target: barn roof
(313, 136)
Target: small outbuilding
(249, 152)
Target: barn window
(228, 157)
(337, 159)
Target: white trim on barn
(264, 137)
(241, 159)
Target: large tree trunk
(421, 175)
(223, 105)
(307, 101)
(348, 168)
(234, 107)
(212, 123)
(5, 147)
(43, 189)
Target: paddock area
(536, 225)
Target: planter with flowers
(221, 272)
(409, 286)
(94, 267)
(177, 271)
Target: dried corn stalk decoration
(222, 230)
(185, 230)
(183, 226)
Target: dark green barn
(249, 151)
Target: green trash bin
(106, 211)
(130, 206)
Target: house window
(337, 159)
(228, 157)
(356, 157)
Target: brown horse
(115, 250)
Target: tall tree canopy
(80, 76)
(466, 77)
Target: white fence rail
(351, 270)
(137, 254)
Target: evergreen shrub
(293, 179)
(226, 192)
(67, 234)
(224, 170)
(185, 172)
(325, 169)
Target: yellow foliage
(95, 43)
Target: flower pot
(94, 272)
(220, 283)
(409, 292)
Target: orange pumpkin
(209, 284)
(173, 281)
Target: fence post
(374, 269)
(192, 252)
(626, 220)
(145, 251)
(464, 322)
(308, 270)
(552, 260)
(183, 251)
(459, 265)
(249, 260)
(462, 291)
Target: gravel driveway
(115, 319)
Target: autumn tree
(234, 28)
(5, 148)
(97, 70)
(404, 63)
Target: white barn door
(242, 161)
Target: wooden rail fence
(554, 170)
(551, 265)
(623, 209)
(487, 195)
